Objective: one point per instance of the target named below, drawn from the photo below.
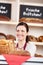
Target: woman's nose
(20, 32)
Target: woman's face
(21, 33)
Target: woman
(22, 30)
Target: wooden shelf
(35, 24)
(37, 43)
(5, 1)
(8, 22)
(32, 1)
(15, 23)
(34, 4)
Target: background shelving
(32, 1)
(15, 23)
(8, 23)
(35, 24)
(8, 27)
(37, 43)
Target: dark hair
(27, 29)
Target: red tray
(15, 60)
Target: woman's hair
(27, 29)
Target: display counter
(34, 61)
(20, 60)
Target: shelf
(34, 4)
(32, 1)
(15, 23)
(37, 43)
(8, 1)
(35, 24)
(8, 22)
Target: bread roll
(4, 18)
(6, 46)
(32, 38)
(22, 53)
(40, 38)
(3, 36)
(31, 20)
(11, 37)
(38, 55)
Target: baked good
(3, 36)
(22, 53)
(6, 46)
(40, 38)
(38, 55)
(32, 38)
(31, 20)
(11, 37)
(4, 18)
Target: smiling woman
(22, 46)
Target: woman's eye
(17, 30)
(22, 30)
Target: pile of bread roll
(6, 46)
(35, 39)
(31, 20)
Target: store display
(31, 14)
(6, 46)
(5, 11)
(35, 39)
(31, 20)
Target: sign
(5, 11)
(31, 11)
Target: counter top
(34, 61)
(31, 60)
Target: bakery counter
(3, 60)
(8, 59)
(20, 60)
(34, 61)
